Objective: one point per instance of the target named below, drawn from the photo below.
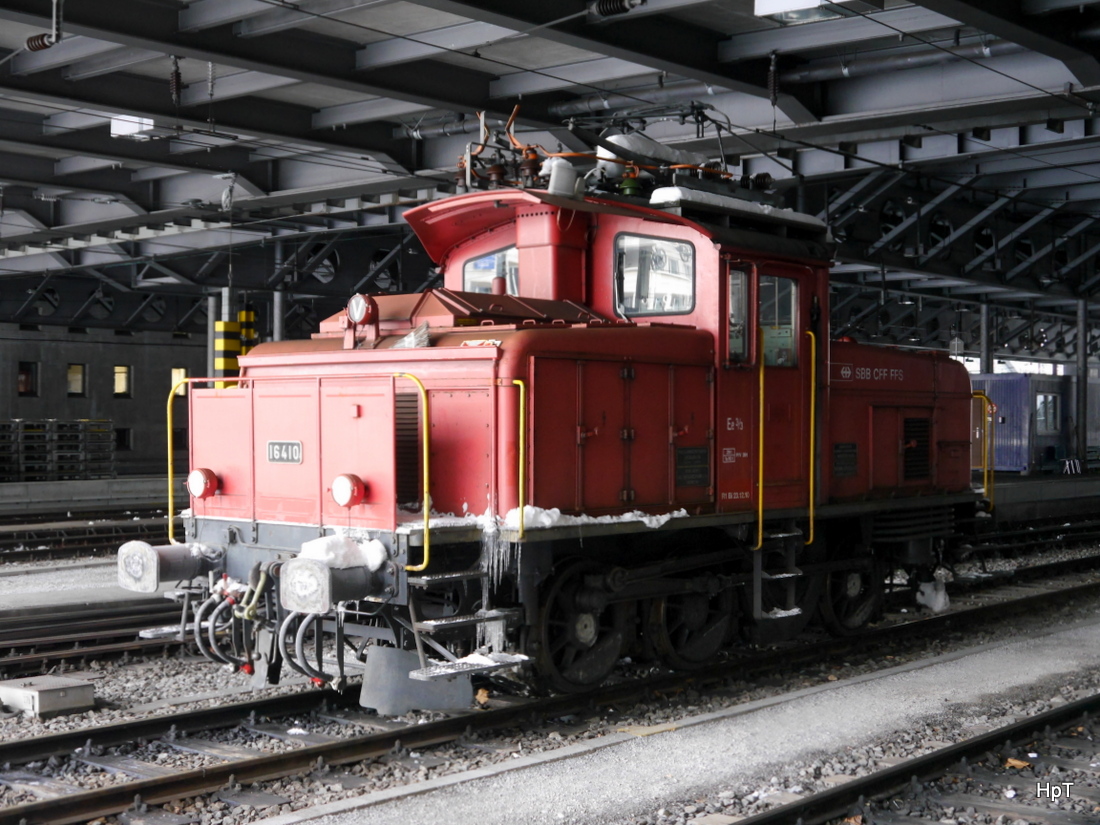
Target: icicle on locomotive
(632, 409)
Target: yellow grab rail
(521, 480)
(988, 482)
(426, 447)
(171, 465)
(813, 428)
(760, 455)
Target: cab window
(478, 273)
(778, 305)
(738, 316)
(654, 276)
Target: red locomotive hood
(444, 224)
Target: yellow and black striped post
(247, 319)
(227, 346)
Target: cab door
(783, 316)
(764, 392)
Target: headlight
(202, 483)
(348, 490)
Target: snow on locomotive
(619, 426)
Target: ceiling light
(791, 12)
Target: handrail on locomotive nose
(426, 447)
(813, 429)
(522, 477)
(988, 481)
(760, 448)
(171, 494)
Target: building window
(27, 380)
(1046, 413)
(75, 380)
(122, 381)
(654, 276)
(124, 438)
(179, 374)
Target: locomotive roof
(445, 224)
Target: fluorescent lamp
(809, 11)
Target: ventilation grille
(918, 455)
(407, 415)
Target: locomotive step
(468, 620)
(476, 663)
(440, 579)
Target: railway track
(374, 738)
(76, 635)
(72, 539)
(1027, 771)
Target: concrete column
(211, 317)
(278, 300)
(278, 314)
(986, 344)
(227, 304)
(1082, 378)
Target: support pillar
(227, 341)
(278, 298)
(986, 344)
(278, 315)
(1082, 379)
(227, 304)
(211, 337)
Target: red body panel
(653, 415)
(873, 392)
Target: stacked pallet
(52, 449)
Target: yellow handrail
(522, 475)
(426, 447)
(760, 454)
(171, 465)
(813, 427)
(988, 481)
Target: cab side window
(738, 316)
(778, 315)
(654, 276)
(478, 273)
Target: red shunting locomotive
(620, 426)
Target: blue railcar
(1036, 430)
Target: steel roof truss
(980, 218)
(1057, 243)
(922, 210)
(1003, 242)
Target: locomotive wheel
(852, 598)
(687, 630)
(577, 642)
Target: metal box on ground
(47, 695)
